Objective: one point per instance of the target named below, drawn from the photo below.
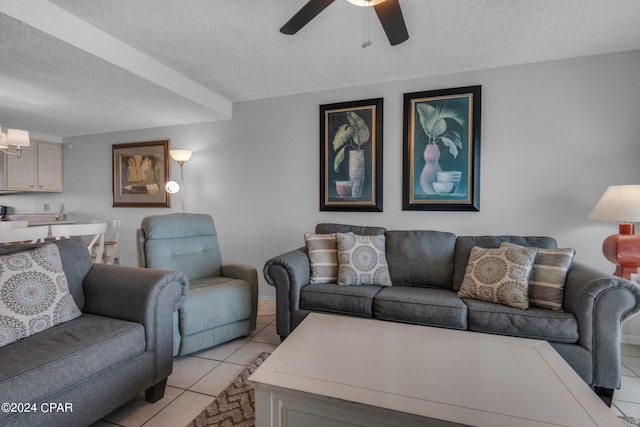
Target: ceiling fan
(388, 12)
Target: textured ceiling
(73, 67)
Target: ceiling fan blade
(304, 15)
(392, 21)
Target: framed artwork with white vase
(351, 156)
(441, 151)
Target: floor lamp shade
(621, 203)
(172, 187)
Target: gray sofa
(120, 346)
(427, 269)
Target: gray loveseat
(76, 372)
(427, 269)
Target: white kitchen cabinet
(39, 169)
(49, 167)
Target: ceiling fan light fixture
(365, 3)
(388, 11)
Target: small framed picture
(441, 152)
(351, 156)
(140, 173)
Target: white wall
(554, 136)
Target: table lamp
(621, 203)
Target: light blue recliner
(222, 301)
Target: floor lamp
(172, 187)
(621, 203)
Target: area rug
(630, 422)
(235, 406)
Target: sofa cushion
(323, 257)
(208, 301)
(465, 243)
(534, 323)
(362, 260)
(34, 295)
(421, 258)
(66, 355)
(499, 275)
(355, 300)
(423, 306)
(548, 276)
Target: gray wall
(554, 136)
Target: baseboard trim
(630, 339)
(273, 298)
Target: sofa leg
(606, 394)
(155, 392)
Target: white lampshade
(18, 137)
(619, 203)
(180, 155)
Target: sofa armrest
(600, 303)
(249, 274)
(137, 294)
(288, 273)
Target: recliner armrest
(245, 272)
(249, 274)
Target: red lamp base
(623, 250)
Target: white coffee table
(344, 371)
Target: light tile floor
(626, 401)
(198, 378)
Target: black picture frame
(346, 128)
(447, 176)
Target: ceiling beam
(67, 27)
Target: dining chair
(26, 234)
(94, 231)
(13, 224)
(111, 239)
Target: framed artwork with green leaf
(351, 156)
(441, 151)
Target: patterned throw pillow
(548, 276)
(34, 295)
(323, 257)
(499, 275)
(362, 260)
